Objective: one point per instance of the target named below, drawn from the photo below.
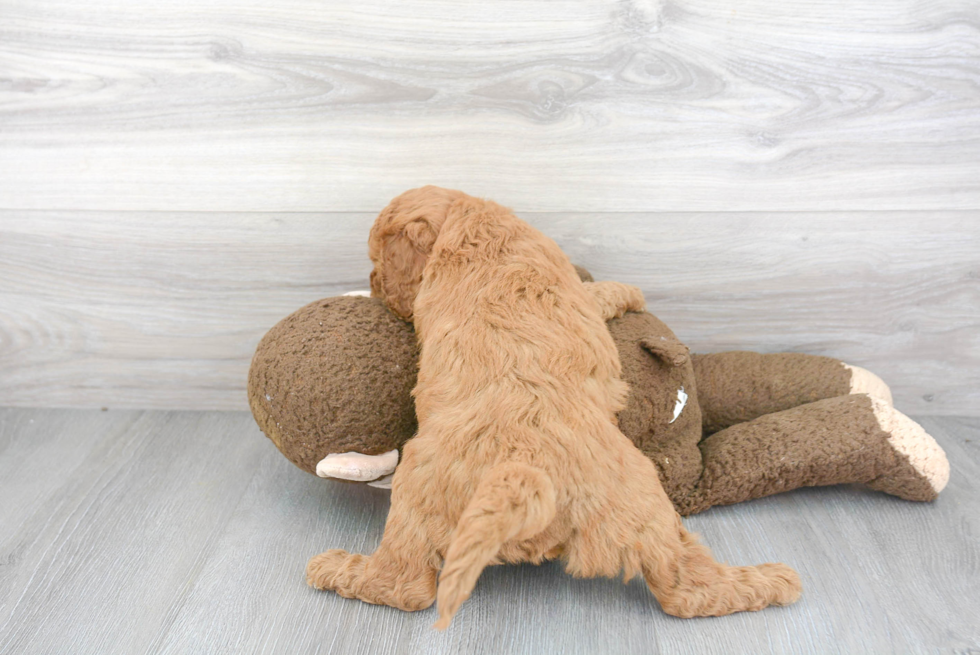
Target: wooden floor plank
(103, 561)
(180, 532)
(604, 105)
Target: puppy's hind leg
(401, 573)
(688, 581)
(616, 298)
(512, 501)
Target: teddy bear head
(331, 385)
(335, 379)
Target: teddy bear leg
(401, 573)
(848, 439)
(920, 469)
(864, 381)
(734, 387)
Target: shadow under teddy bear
(331, 385)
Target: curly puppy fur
(518, 457)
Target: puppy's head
(401, 241)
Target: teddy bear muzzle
(376, 470)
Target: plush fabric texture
(363, 361)
(739, 386)
(654, 380)
(317, 386)
(920, 470)
(831, 441)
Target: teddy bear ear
(583, 273)
(670, 351)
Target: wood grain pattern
(180, 532)
(164, 310)
(607, 105)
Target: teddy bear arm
(734, 387)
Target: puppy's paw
(635, 302)
(785, 586)
(323, 570)
(616, 298)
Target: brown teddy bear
(331, 386)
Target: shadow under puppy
(518, 457)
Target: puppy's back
(506, 326)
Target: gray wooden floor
(187, 532)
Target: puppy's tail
(512, 501)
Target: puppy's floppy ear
(400, 242)
(403, 257)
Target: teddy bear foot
(921, 469)
(864, 381)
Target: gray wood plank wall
(776, 176)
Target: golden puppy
(518, 457)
